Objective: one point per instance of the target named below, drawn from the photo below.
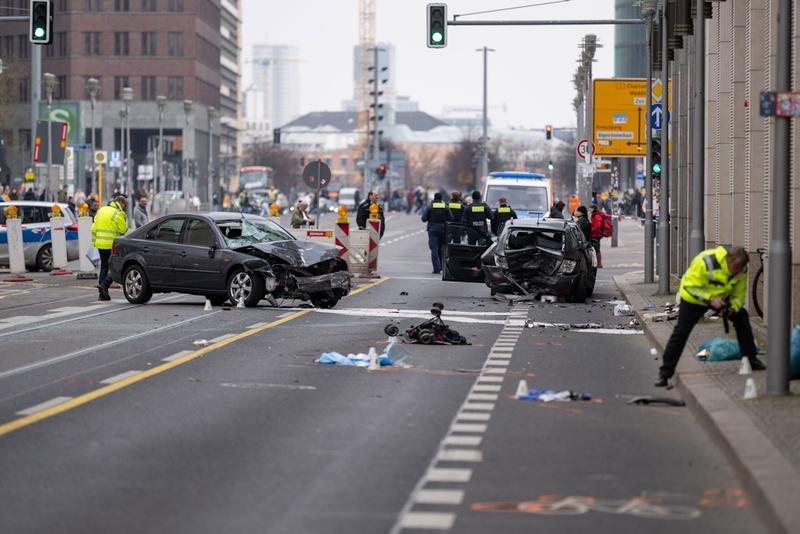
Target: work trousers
(435, 243)
(105, 276)
(688, 315)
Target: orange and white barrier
(16, 248)
(58, 243)
(356, 245)
(374, 230)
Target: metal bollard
(84, 244)
(615, 229)
(16, 251)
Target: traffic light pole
(485, 135)
(663, 212)
(697, 236)
(649, 275)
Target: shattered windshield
(243, 232)
(528, 238)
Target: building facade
(276, 75)
(170, 48)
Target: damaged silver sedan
(227, 257)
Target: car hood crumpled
(296, 253)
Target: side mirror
(212, 251)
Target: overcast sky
(530, 74)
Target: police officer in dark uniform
(476, 215)
(456, 206)
(436, 215)
(502, 215)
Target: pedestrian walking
(582, 218)
(717, 280)
(557, 210)
(109, 223)
(437, 215)
(479, 216)
(502, 215)
(300, 216)
(601, 227)
(363, 213)
(140, 216)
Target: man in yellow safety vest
(716, 279)
(109, 223)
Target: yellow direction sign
(619, 116)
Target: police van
(36, 233)
(529, 194)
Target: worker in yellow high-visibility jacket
(716, 279)
(109, 223)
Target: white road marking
(484, 387)
(43, 406)
(223, 337)
(468, 428)
(496, 379)
(176, 356)
(121, 376)
(55, 314)
(258, 325)
(494, 354)
(469, 416)
(463, 441)
(428, 520)
(460, 455)
(501, 363)
(482, 396)
(451, 317)
(448, 474)
(615, 331)
(495, 370)
(439, 496)
(502, 349)
(478, 406)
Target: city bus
(255, 177)
(529, 194)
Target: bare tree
(286, 173)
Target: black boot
(103, 293)
(756, 364)
(662, 382)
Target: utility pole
(663, 218)
(697, 236)
(92, 88)
(161, 102)
(212, 114)
(649, 11)
(49, 82)
(36, 92)
(485, 136)
(376, 140)
(779, 310)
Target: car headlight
(501, 261)
(567, 266)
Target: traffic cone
(745, 369)
(374, 364)
(240, 304)
(522, 389)
(750, 391)
(207, 306)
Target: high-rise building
(230, 89)
(184, 50)
(276, 73)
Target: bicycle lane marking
(86, 398)
(431, 507)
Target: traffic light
(551, 165)
(655, 165)
(381, 171)
(437, 25)
(41, 21)
(548, 132)
(276, 136)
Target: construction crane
(366, 41)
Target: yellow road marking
(102, 392)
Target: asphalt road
(143, 431)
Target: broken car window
(243, 232)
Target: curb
(771, 481)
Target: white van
(529, 194)
(349, 197)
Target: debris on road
(623, 310)
(649, 399)
(548, 395)
(658, 317)
(201, 343)
(719, 349)
(434, 331)
(394, 355)
(404, 293)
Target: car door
(198, 264)
(464, 246)
(159, 248)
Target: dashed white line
(258, 325)
(43, 406)
(468, 428)
(460, 455)
(469, 416)
(482, 396)
(496, 379)
(495, 370)
(121, 376)
(479, 406)
(428, 520)
(176, 356)
(504, 363)
(440, 496)
(463, 441)
(486, 388)
(448, 474)
(223, 337)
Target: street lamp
(127, 97)
(93, 88)
(161, 103)
(49, 83)
(187, 110)
(212, 114)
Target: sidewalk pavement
(761, 436)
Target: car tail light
(114, 248)
(73, 227)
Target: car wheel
(217, 301)
(392, 330)
(247, 287)
(135, 285)
(324, 301)
(579, 293)
(426, 337)
(44, 258)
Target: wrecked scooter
(432, 332)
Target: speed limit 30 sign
(585, 149)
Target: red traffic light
(382, 167)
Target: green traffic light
(437, 37)
(656, 168)
(38, 33)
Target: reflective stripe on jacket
(109, 223)
(708, 278)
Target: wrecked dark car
(530, 257)
(227, 257)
